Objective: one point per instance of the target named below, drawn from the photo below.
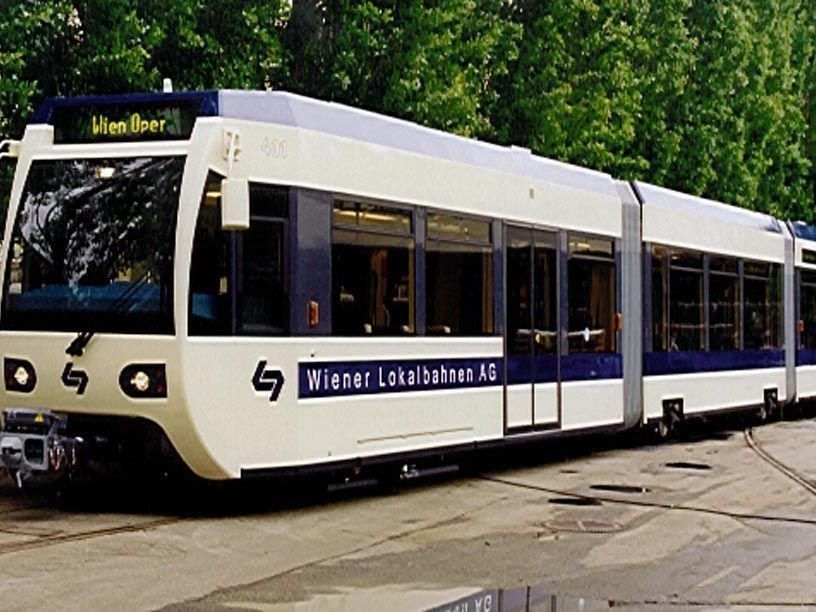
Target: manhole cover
(686, 465)
(581, 526)
(619, 488)
(574, 501)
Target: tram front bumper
(33, 445)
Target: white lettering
(314, 379)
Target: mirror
(234, 204)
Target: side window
(263, 303)
(724, 304)
(372, 270)
(660, 298)
(807, 309)
(210, 306)
(239, 280)
(459, 274)
(592, 295)
(686, 321)
(762, 308)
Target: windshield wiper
(123, 302)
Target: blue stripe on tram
(689, 362)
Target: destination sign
(94, 123)
(808, 256)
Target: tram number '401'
(274, 148)
(267, 381)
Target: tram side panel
(397, 380)
(713, 306)
(805, 313)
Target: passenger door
(532, 346)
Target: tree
(431, 61)
(574, 94)
(207, 45)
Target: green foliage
(712, 98)
(431, 61)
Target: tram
(265, 284)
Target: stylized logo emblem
(74, 378)
(267, 381)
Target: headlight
(19, 375)
(141, 381)
(22, 376)
(144, 380)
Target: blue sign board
(333, 379)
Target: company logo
(267, 381)
(74, 378)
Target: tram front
(90, 269)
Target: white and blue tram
(268, 284)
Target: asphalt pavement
(722, 519)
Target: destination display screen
(127, 122)
(808, 256)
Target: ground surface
(721, 529)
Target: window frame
(741, 275)
(806, 277)
(412, 236)
(482, 246)
(613, 259)
(235, 268)
(238, 269)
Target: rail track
(51, 540)
(788, 471)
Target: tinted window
(660, 298)
(724, 319)
(210, 274)
(239, 280)
(807, 309)
(459, 276)
(545, 321)
(372, 270)
(763, 294)
(263, 292)
(92, 246)
(592, 295)
(686, 322)
(519, 292)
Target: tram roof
(661, 197)
(289, 109)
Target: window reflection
(264, 282)
(92, 246)
(686, 322)
(592, 299)
(210, 296)
(762, 310)
(660, 298)
(372, 270)
(744, 307)
(519, 291)
(724, 323)
(459, 276)
(807, 309)
(545, 337)
(239, 280)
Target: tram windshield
(92, 246)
